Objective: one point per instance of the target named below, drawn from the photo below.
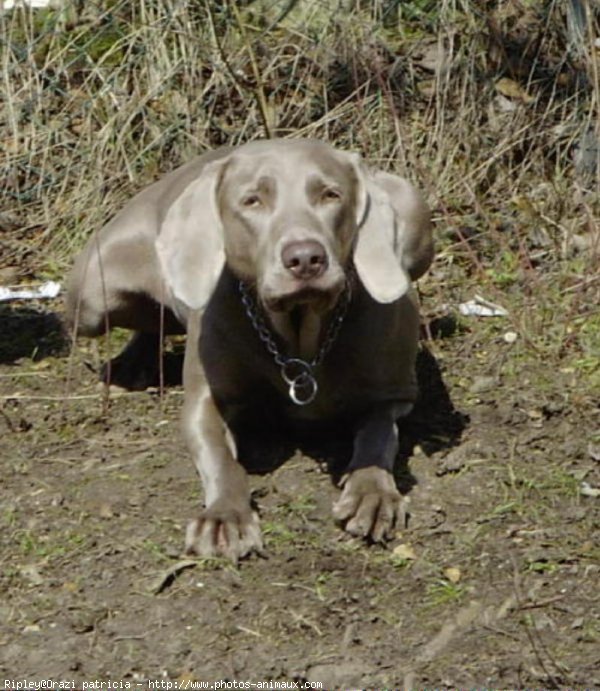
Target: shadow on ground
(31, 333)
(434, 425)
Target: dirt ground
(493, 582)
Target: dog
(289, 264)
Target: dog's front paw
(122, 373)
(224, 532)
(370, 505)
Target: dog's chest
(371, 359)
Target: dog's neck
(300, 329)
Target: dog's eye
(252, 201)
(331, 195)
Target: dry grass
(489, 110)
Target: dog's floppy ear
(190, 243)
(394, 234)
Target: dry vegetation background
(493, 108)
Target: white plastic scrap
(11, 4)
(588, 491)
(50, 289)
(480, 307)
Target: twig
(535, 641)
(541, 603)
(259, 94)
(78, 397)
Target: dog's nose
(305, 259)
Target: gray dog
(289, 264)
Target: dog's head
(288, 216)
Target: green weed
(443, 592)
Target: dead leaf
(453, 574)
(426, 87)
(511, 89)
(404, 551)
(433, 57)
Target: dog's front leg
(227, 526)
(370, 505)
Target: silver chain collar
(298, 374)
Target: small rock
(32, 574)
(70, 586)
(456, 459)
(483, 384)
(594, 451)
(451, 463)
(106, 511)
(343, 674)
(32, 628)
(554, 407)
